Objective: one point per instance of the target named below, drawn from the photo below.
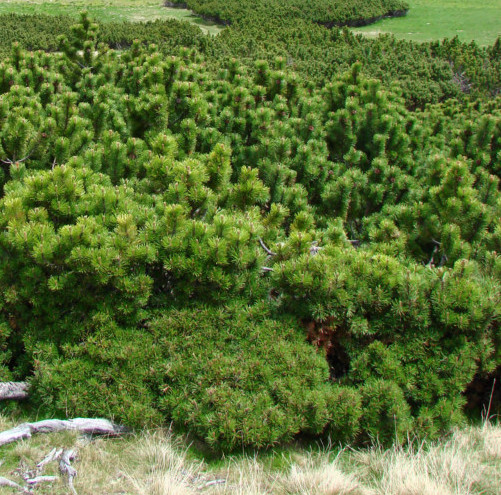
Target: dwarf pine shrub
(240, 253)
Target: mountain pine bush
(240, 252)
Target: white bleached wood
(51, 456)
(41, 479)
(67, 469)
(12, 484)
(87, 426)
(13, 390)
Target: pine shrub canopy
(241, 252)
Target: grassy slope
(438, 19)
(468, 462)
(107, 10)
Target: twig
(268, 251)
(490, 400)
(211, 483)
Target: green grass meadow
(107, 10)
(437, 19)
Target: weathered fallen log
(87, 426)
(13, 390)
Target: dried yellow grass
(468, 462)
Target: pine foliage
(240, 252)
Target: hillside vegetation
(237, 250)
(426, 73)
(328, 12)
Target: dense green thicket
(329, 12)
(32, 32)
(41, 32)
(172, 232)
(231, 375)
(426, 73)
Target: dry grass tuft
(453, 467)
(320, 478)
(246, 476)
(491, 436)
(161, 467)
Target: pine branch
(11, 162)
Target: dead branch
(12, 162)
(314, 250)
(67, 469)
(34, 477)
(13, 390)
(212, 483)
(41, 479)
(51, 456)
(83, 425)
(269, 252)
(12, 484)
(432, 259)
